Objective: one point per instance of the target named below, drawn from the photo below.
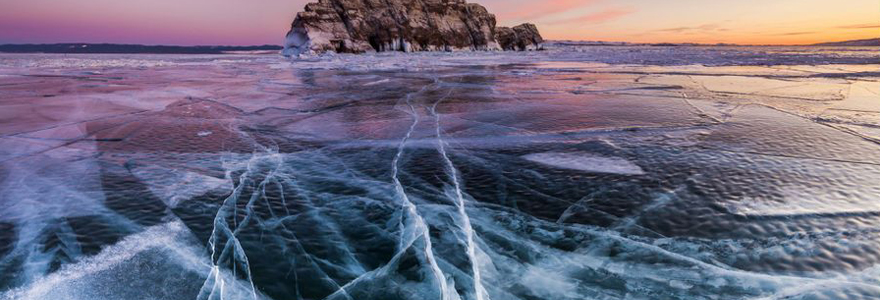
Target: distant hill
(868, 42)
(124, 48)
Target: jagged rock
(521, 37)
(506, 38)
(357, 26)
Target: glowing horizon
(224, 22)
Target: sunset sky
(241, 22)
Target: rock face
(523, 37)
(358, 26)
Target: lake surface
(574, 173)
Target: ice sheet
(573, 173)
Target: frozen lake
(574, 173)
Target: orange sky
(239, 22)
(700, 21)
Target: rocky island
(359, 26)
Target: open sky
(243, 22)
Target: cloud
(709, 28)
(796, 33)
(691, 29)
(861, 26)
(538, 9)
(599, 17)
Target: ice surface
(586, 162)
(158, 263)
(574, 173)
(175, 186)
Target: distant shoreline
(852, 43)
(86, 48)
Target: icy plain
(574, 173)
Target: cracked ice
(573, 173)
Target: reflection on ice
(573, 173)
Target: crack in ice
(452, 172)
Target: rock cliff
(358, 26)
(521, 38)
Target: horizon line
(598, 43)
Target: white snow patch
(680, 284)
(175, 186)
(792, 206)
(81, 63)
(378, 82)
(549, 285)
(587, 162)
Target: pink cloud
(537, 9)
(599, 17)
